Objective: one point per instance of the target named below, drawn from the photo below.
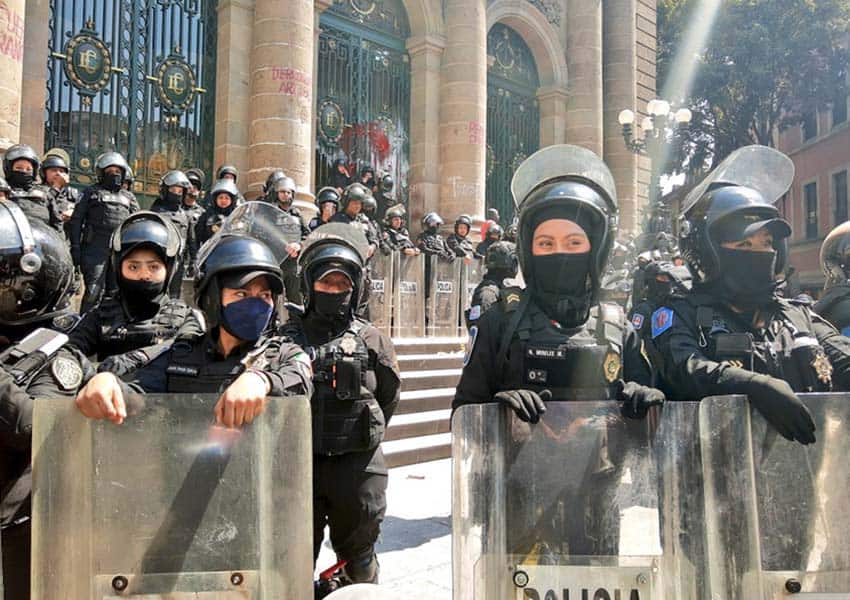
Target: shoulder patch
(662, 320)
(475, 313)
(637, 321)
(470, 345)
(67, 373)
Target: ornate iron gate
(513, 117)
(363, 97)
(136, 76)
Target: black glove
(778, 403)
(636, 399)
(527, 405)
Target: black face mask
(141, 291)
(747, 278)
(173, 199)
(333, 308)
(112, 181)
(560, 286)
(21, 179)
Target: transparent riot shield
(409, 296)
(567, 508)
(443, 303)
(776, 511)
(169, 505)
(470, 275)
(380, 299)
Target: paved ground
(415, 550)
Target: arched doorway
(363, 100)
(513, 116)
(136, 77)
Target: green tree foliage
(767, 62)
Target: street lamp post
(661, 130)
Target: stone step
(418, 450)
(418, 424)
(426, 345)
(430, 379)
(425, 400)
(422, 362)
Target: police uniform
(213, 218)
(460, 245)
(399, 240)
(38, 203)
(431, 243)
(834, 306)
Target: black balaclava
(561, 283)
(112, 181)
(142, 299)
(747, 278)
(21, 179)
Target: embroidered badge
(473, 336)
(348, 345)
(662, 320)
(823, 368)
(67, 373)
(637, 321)
(611, 367)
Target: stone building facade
(268, 91)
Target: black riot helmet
(511, 232)
(501, 260)
(146, 230)
(196, 177)
(463, 220)
(36, 270)
(227, 170)
(356, 192)
(370, 205)
(387, 184)
(495, 231)
(392, 213)
(171, 179)
(328, 194)
(333, 247)
(432, 221)
(227, 256)
(835, 256)
(571, 183)
(663, 279)
(223, 186)
(273, 178)
(110, 159)
(52, 161)
(18, 152)
(285, 184)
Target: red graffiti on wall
(292, 82)
(11, 33)
(476, 132)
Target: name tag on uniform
(546, 352)
(181, 370)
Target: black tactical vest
(346, 416)
(106, 211)
(118, 335)
(196, 368)
(35, 203)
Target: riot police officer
(101, 209)
(269, 192)
(733, 334)
(294, 231)
(494, 234)
(21, 167)
(501, 264)
(430, 241)
(136, 311)
(55, 173)
(371, 226)
(384, 195)
(396, 234)
(232, 173)
(458, 242)
(223, 199)
(551, 339)
(357, 388)
(340, 177)
(173, 189)
(36, 277)
(834, 305)
(192, 204)
(352, 201)
(328, 201)
(238, 355)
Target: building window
(839, 111)
(839, 187)
(810, 195)
(810, 125)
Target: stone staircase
(430, 370)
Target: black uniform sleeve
(291, 371)
(85, 336)
(636, 366)
(15, 414)
(150, 379)
(388, 390)
(488, 297)
(477, 381)
(837, 348)
(78, 224)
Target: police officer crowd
(279, 307)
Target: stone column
(584, 59)
(282, 59)
(424, 175)
(233, 86)
(12, 19)
(463, 110)
(553, 115)
(320, 7)
(34, 85)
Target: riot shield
(443, 303)
(409, 296)
(776, 511)
(380, 300)
(471, 275)
(169, 505)
(567, 506)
